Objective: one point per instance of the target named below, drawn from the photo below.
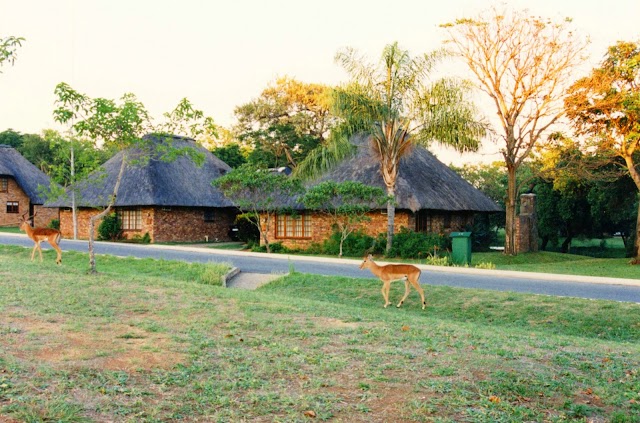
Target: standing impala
(395, 272)
(52, 236)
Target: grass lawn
(571, 264)
(151, 341)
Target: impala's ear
(370, 257)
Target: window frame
(130, 216)
(13, 207)
(4, 184)
(293, 226)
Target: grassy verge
(144, 342)
(570, 264)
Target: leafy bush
(418, 245)
(357, 244)
(54, 224)
(110, 228)
(144, 239)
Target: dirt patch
(334, 323)
(111, 346)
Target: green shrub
(247, 229)
(54, 224)
(357, 244)
(110, 228)
(418, 245)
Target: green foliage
(230, 154)
(484, 232)
(410, 244)
(11, 138)
(141, 239)
(8, 48)
(54, 224)
(247, 228)
(287, 121)
(357, 244)
(110, 229)
(346, 203)
(257, 191)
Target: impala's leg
(385, 292)
(406, 291)
(59, 251)
(416, 284)
(33, 252)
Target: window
(4, 184)
(293, 226)
(13, 207)
(424, 221)
(209, 215)
(130, 219)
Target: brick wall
(321, 226)
(14, 193)
(44, 215)
(189, 225)
(179, 224)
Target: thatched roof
(151, 180)
(25, 173)
(424, 182)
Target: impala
(395, 272)
(52, 236)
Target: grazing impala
(395, 272)
(52, 236)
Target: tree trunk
(74, 210)
(545, 241)
(566, 244)
(391, 216)
(636, 246)
(95, 218)
(510, 247)
(265, 233)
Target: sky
(221, 55)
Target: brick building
(430, 197)
(22, 187)
(170, 199)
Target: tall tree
(121, 124)
(395, 102)
(287, 120)
(520, 62)
(107, 122)
(605, 106)
(8, 48)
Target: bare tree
(521, 62)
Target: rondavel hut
(430, 197)
(22, 188)
(169, 198)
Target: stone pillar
(527, 225)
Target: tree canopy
(395, 101)
(605, 107)
(521, 62)
(288, 120)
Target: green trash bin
(461, 248)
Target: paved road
(558, 285)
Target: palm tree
(394, 102)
